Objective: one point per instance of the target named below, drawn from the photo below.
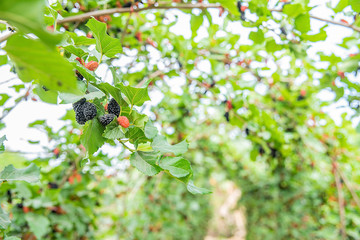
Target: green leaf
(150, 130)
(3, 59)
(49, 96)
(38, 224)
(321, 36)
(293, 10)
(27, 16)
(138, 119)
(230, 5)
(76, 51)
(196, 190)
(341, 5)
(177, 167)
(3, 27)
(195, 23)
(92, 138)
(4, 219)
(160, 144)
(71, 98)
(113, 132)
(136, 135)
(3, 98)
(116, 77)
(84, 161)
(145, 162)
(355, 5)
(18, 87)
(114, 92)
(302, 23)
(37, 123)
(28, 174)
(87, 74)
(272, 46)
(257, 37)
(80, 40)
(136, 96)
(105, 44)
(2, 146)
(35, 61)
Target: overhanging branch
(82, 17)
(85, 16)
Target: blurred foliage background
(242, 84)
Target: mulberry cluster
(113, 109)
(84, 111)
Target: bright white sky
(17, 121)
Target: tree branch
(83, 17)
(340, 200)
(16, 104)
(355, 28)
(98, 13)
(151, 76)
(347, 184)
(9, 80)
(125, 29)
(3, 38)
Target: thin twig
(67, 174)
(3, 38)
(9, 80)
(151, 76)
(347, 184)
(340, 201)
(16, 104)
(355, 28)
(125, 29)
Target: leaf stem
(132, 150)
(131, 109)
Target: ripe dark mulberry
(78, 103)
(89, 110)
(79, 114)
(226, 115)
(79, 76)
(113, 107)
(106, 119)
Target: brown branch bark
(3, 38)
(88, 15)
(151, 76)
(16, 104)
(85, 16)
(125, 29)
(355, 28)
(340, 201)
(348, 186)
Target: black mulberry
(113, 107)
(78, 103)
(106, 119)
(79, 76)
(89, 110)
(79, 114)
(226, 115)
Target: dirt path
(228, 222)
